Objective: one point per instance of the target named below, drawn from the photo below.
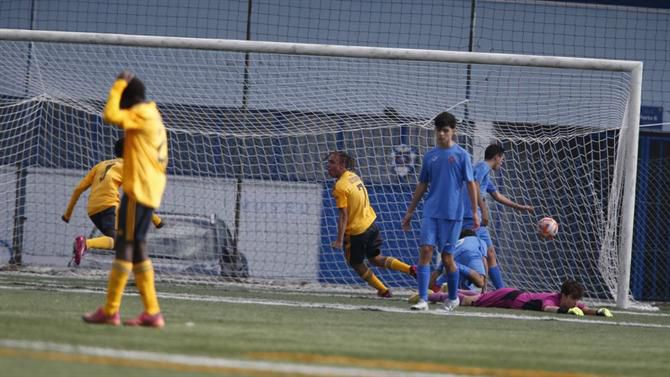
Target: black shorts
(134, 220)
(105, 221)
(365, 245)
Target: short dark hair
(445, 119)
(133, 94)
(118, 148)
(493, 150)
(572, 288)
(349, 161)
(467, 233)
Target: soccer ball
(548, 228)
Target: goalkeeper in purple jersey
(566, 301)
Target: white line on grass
(166, 360)
(387, 309)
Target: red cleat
(79, 249)
(412, 271)
(146, 320)
(385, 294)
(99, 317)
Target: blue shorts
(474, 262)
(482, 232)
(440, 233)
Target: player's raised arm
(113, 114)
(127, 92)
(502, 199)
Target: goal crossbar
(318, 49)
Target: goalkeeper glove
(604, 312)
(576, 311)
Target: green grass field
(235, 331)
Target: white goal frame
(628, 139)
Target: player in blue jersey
(445, 169)
(470, 256)
(493, 159)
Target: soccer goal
(250, 124)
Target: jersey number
(109, 166)
(361, 187)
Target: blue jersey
(480, 173)
(445, 170)
(469, 251)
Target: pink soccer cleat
(79, 249)
(146, 320)
(99, 317)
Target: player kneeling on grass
(356, 228)
(566, 301)
(104, 180)
(145, 153)
(470, 256)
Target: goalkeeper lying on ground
(567, 301)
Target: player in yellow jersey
(356, 228)
(104, 180)
(144, 178)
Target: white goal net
(248, 196)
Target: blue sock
(423, 278)
(496, 277)
(452, 280)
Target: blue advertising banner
(651, 115)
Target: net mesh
(247, 149)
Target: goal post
(248, 138)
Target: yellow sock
(144, 279)
(118, 277)
(396, 265)
(374, 282)
(102, 242)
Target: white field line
(167, 360)
(351, 307)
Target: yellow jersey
(104, 180)
(349, 192)
(145, 149)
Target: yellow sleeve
(83, 185)
(113, 113)
(340, 197)
(155, 219)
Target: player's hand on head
(576, 311)
(604, 312)
(125, 75)
(66, 219)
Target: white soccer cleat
(421, 305)
(450, 305)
